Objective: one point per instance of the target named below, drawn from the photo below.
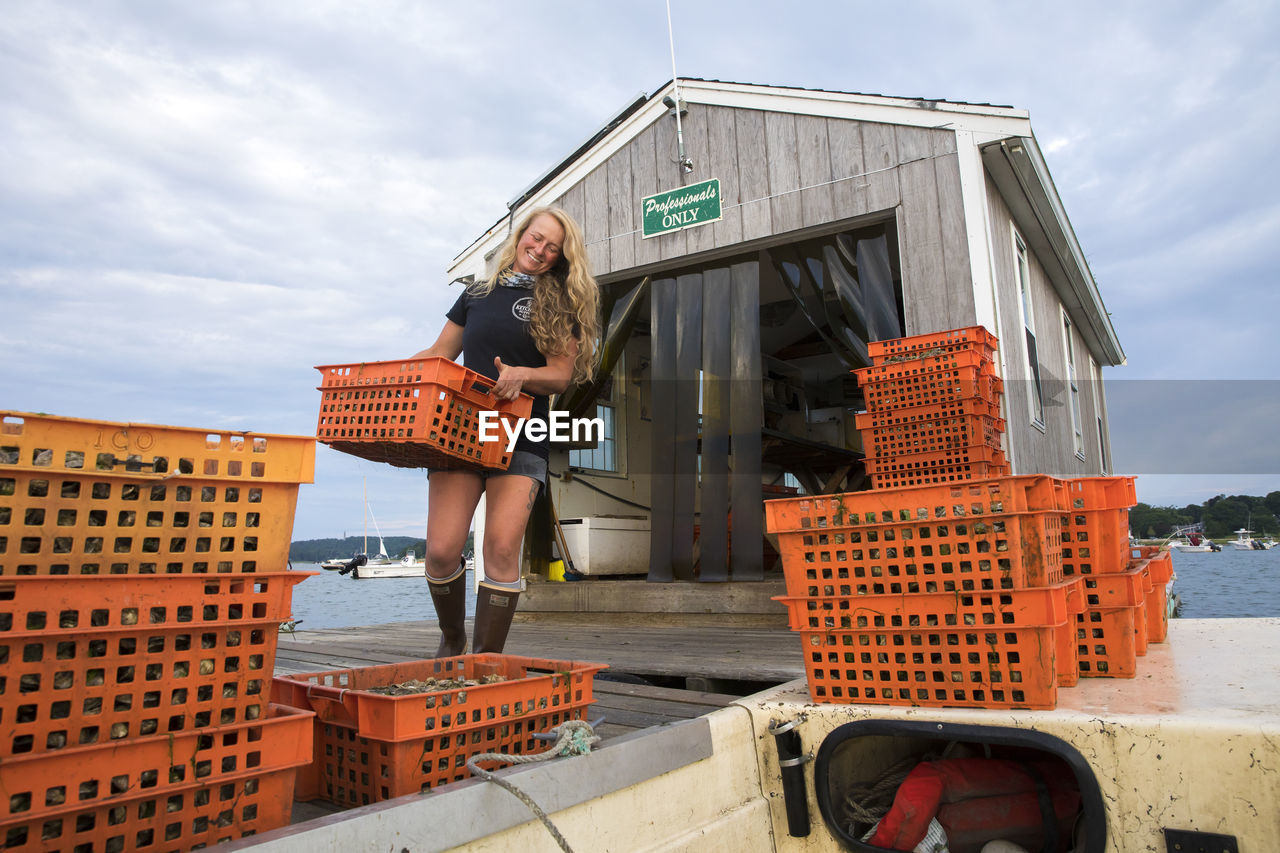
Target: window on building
(1073, 387)
(1035, 388)
(1095, 377)
(604, 456)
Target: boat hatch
(860, 765)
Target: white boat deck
(1191, 743)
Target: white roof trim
(912, 112)
(1018, 167)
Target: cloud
(1215, 428)
(199, 202)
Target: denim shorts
(523, 462)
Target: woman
(532, 329)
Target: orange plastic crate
(1065, 635)
(1161, 566)
(944, 667)
(352, 770)
(1099, 493)
(371, 747)
(906, 464)
(1151, 623)
(98, 497)
(927, 436)
(938, 555)
(938, 474)
(975, 338)
(1106, 642)
(1120, 589)
(415, 413)
(1068, 660)
(1095, 532)
(184, 819)
(1054, 606)
(964, 407)
(923, 364)
(1157, 601)
(1017, 608)
(930, 388)
(1095, 542)
(532, 684)
(1142, 632)
(975, 499)
(176, 792)
(105, 658)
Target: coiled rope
(866, 803)
(573, 737)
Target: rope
(574, 737)
(867, 803)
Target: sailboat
(381, 565)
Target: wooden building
(843, 218)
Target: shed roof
(1002, 133)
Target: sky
(200, 202)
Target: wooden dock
(657, 673)
(631, 695)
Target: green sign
(685, 207)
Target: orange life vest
(979, 800)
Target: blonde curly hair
(566, 298)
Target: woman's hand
(510, 380)
(552, 379)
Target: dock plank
(750, 654)
(703, 654)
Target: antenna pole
(686, 165)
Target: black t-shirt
(497, 325)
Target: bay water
(1229, 583)
(332, 600)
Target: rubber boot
(450, 599)
(494, 609)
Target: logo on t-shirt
(522, 308)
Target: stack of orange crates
(370, 746)
(947, 595)
(141, 594)
(1111, 632)
(933, 409)
(951, 582)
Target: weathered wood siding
(1049, 450)
(781, 173)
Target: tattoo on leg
(533, 495)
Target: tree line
(1220, 516)
(318, 550)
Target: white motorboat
(1189, 546)
(1244, 541)
(1189, 540)
(407, 567)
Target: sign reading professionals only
(685, 207)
